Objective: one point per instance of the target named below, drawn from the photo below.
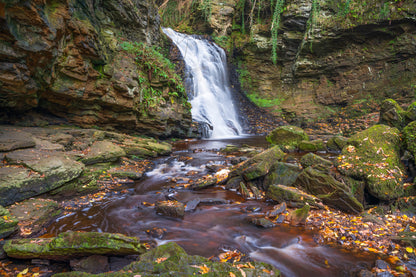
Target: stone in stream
(93, 264)
(70, 245)
(262, 222)
(278, 209)
(299, 216)
(170, 208)
(192, 204)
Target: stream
(218, 224)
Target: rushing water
(208, 82)
(210, 229)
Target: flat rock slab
(33, 214)
(34, 172)
(72, 245)
(15, 139)
(102, 152)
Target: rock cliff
(305, 59)
(94, 63)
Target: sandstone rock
(373, 155)
(287, 136)
(102, 152)
(73, 244)
(12, 140)
(8, 223)
(33, 214)
(37, 172)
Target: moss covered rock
(333, 193)
(411, 112)
(282, 174)
(409, 137)
(311, 146)
(292, 195)
(336, 143)
(373, 156)
(73, 244)
(392, 114)
(171, 260)
(314, 160)
(8, 223)
(299, 216)
(170, 208)
(287, 136)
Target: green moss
(314, 145)
(287, 136)
(409, 137)
(373, 155)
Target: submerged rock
(73, 244)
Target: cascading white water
(210, 94)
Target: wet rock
(102, 152)
(192, 204)
(157, 233)
(280, 219)
(392, 114)
(380, 264)
(314, 160)
(287, 136)
(311, 146)
(213, 201)
(73, 244)
(170, 208)
(34, 214)
(126, 172)
(15, 139)
(336, 143)
(329, 190)
(282, 193)
(373, 156)
(212, 168)
(278, 209)
(282, 174)
(299, 216)
(8, 223)
(93, 264)
(262, 222)
(38, 172)
(204, 183)
(365, 273)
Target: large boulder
(73, 244)
(293, 196)
(373, 156)
(282, 174)
(287, 136)
(8, 223)
(171, 260)
(332, 192)
(35, 172)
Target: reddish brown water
(210, 229)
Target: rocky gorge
(87, 96)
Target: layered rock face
(329, 53)
(64, 56)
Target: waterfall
(208, 85)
